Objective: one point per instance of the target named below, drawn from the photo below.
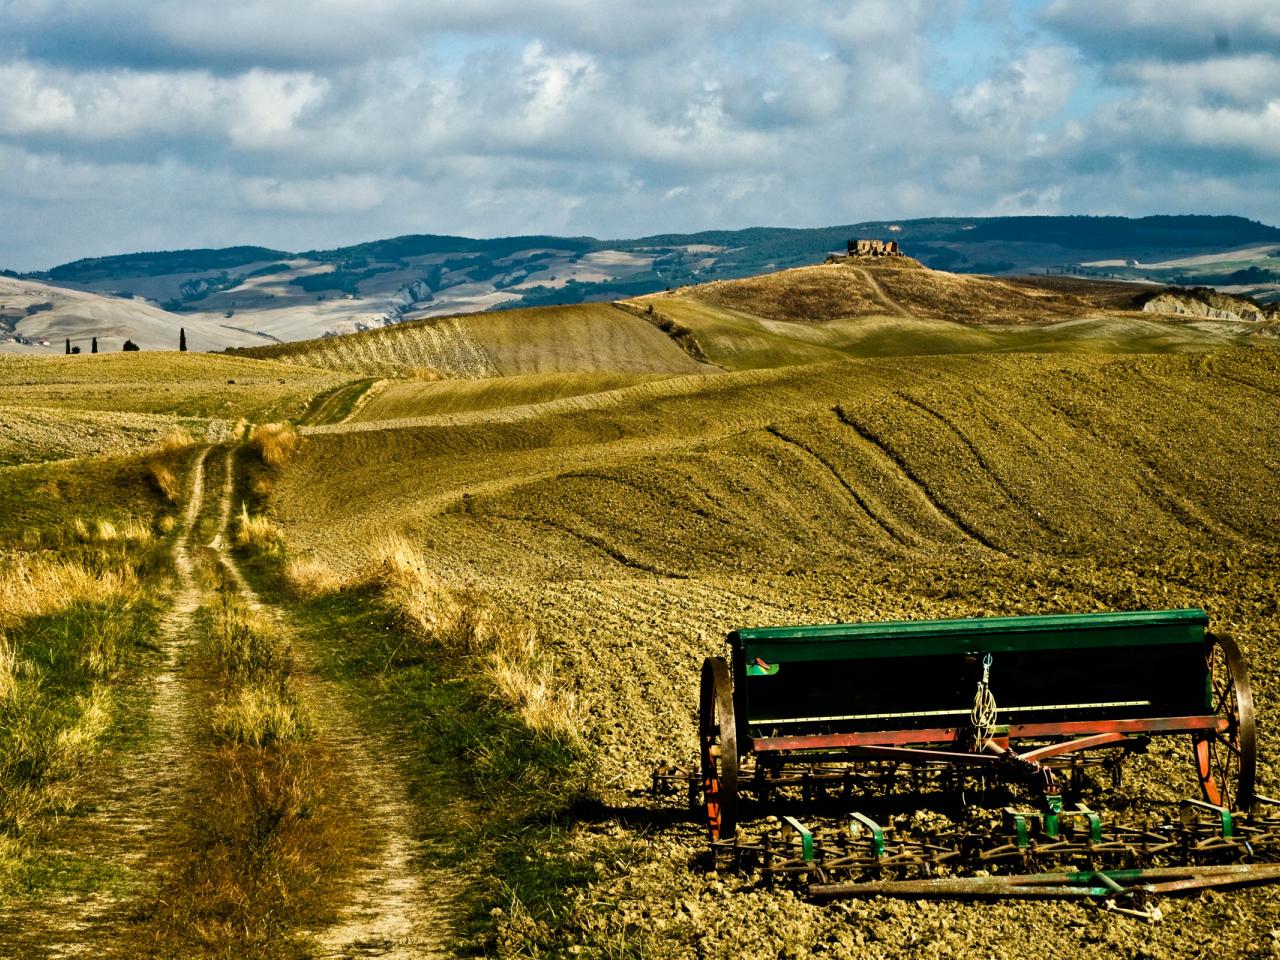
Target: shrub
(274, 442)
(256, 531)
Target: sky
(131, 125)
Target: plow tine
(962, 888)
(1097, 885)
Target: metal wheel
(718, 740)
(1226, 760)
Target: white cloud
(352, 120)
(248, 109)
(1031, 89)
(338, 194)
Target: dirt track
(394, 907)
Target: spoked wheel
(719, 749)
(1226, 759)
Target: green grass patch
(336, 405)
(496, 794)
(44, 873)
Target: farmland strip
(882, 450)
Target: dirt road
(393, 906)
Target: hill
(476, 607)
(848, 308)
(38, 318)
(581, 338)
(282, 296)
(634, 529)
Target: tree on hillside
(93, 348)
(68, 346)
(75, 350)
(182, 338)
(129, 346)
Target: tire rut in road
(396, 907)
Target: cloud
(1165, 29)
(1029, 90)
(145, 123)
(248, 110)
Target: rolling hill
(243, 295)
(849, 308)
(597, 493)
(38, 318)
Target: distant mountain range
(254, 294)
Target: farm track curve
(878, 291)
(391, 907)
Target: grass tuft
(243, 645)
(255, 531)
(260, 714)
(176, 441)
(164, 480)
(309, 578)
(35, 586)
(518, 672)
(274, 442)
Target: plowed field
(638, 529)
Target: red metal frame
(895, 743)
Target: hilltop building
(874, 248)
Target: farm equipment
(856, 712)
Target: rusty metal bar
(1071, 746)
(942, 735)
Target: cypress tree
(94, 347)
(182, 338)
(68, 346)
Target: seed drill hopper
(854, 712)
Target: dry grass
(164, 480)
(259, 714)
(804, 294)
(272, 830)
(255, 531)
(42, 753)
(161, 465)
(310, 578)
(268, 857)
(104, 530)
(274, 443)
(176, 441)
(34, 586)
(520, 674)
(244, 647)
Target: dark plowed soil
(637, 534)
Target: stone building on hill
(874, 248)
